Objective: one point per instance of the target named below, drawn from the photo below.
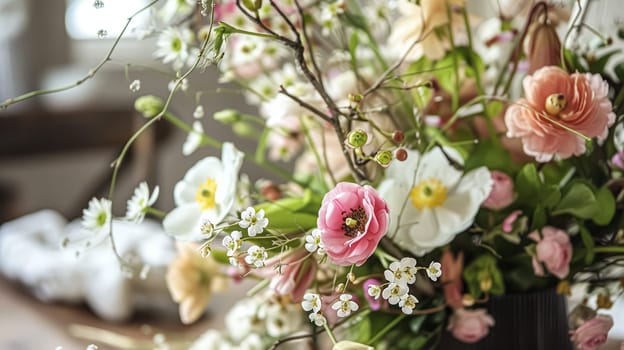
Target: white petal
(184, 222)
(435, 164)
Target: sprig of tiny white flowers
(256, 256)
(313, 242)
(401, 274)
(140, 202)
(344, 306)
(255, 223)
(312, 302)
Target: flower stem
(612, 249)
(386, 329)
(330, 334)
(155, 212)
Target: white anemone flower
(139, 203)
(430, 201)
(194, 139)
(173, 46)
(205, 194)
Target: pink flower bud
(553, 250)
(470, 326)
(593, 333)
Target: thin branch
(88, 76)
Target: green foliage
(482, 269)
(588, 241)
(485, 153)
(531, 189)
(582, 201)
(292, 214)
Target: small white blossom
(374, 290)
(434, 270)
(393, 292)
(318, 319)
(402, 272)
(311, 301)
(102, 33)
(408, 303)
(345, 305)
(173, 46)
(184, 85)
(140, 202)
(96, 218)
(198, 113)
(256, 256)
(98, 4)
(232, 242)
(253, 222)
(313, 241)
(135, 85)
(194, 139)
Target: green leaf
(588, 241)
(483, 268)
(597, 66)
(485, 153)
(539, 218)
(494, 108)
(606, 204)
(579, 201)
(417, 322)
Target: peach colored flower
(470, 326)
(502, 193)
(191, 280)
(557, 107)
(593, 333)
(554, 250)
(452, 278)
(353, 219)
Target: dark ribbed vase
(535, 321)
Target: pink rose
(502, 193)
(290, 273)
(592, 333)
(470, 326)
(353, 219)
(554, 99)
(554, 250)
(452, 278)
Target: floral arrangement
(440, 158)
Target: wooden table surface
(28, 324)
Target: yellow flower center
(555, 103)
(429, 193)
(205, 194)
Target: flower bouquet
(442, 159)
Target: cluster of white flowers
(256, 256)
(400, 275)
(233, 243)
(252, 324)
(312, 302)
(313, 242)
(255, 223)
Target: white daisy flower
(430, 201)
(345, 305)
(434, 270)
(393, 292)
(96, 218)
(318, 319)
(253, 222)
(207, 193)
(140, 202)
(408, 303)
(173, 46)
(374, 290)
(256, 256)
(232, 242)
(194, 139)
(176, 9)
(313, 241)
(311, 301)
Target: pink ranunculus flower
(554, 98)
(554, 250)
(592, 333)
(353, 219)
(470, 326)
(290, 273)
(502, 193)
